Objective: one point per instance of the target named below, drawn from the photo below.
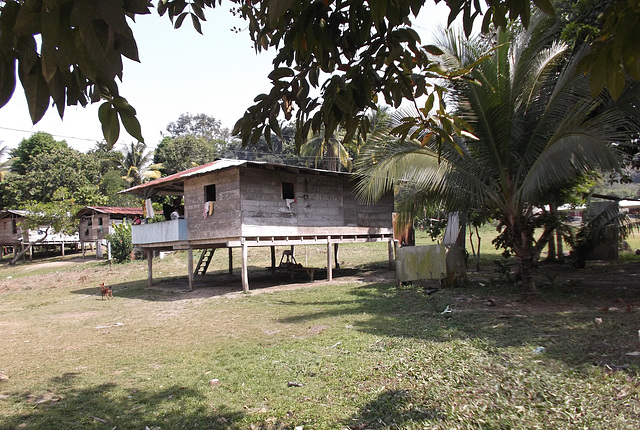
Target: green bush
(121, 244)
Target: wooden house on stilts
(14, 237)
(242, 204)
(97, 222)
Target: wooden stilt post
(62, 246)
(82, 247)
(392, 261)
(230, 261)
(273, 260)
(190, 267)
(329, 259)
(245, 272)
(150, 267)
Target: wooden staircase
(203, 262)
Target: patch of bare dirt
(60, 263)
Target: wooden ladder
(203, 262)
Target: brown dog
(106, 291)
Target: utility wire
(55, 135)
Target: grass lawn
(358, 353)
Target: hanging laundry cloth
(149, 208)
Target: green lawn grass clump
(359, 353)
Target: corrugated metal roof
(167, 181)
(111, 210)
(173, 183)
(8, 212)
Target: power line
(55, 135)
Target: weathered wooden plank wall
(6, 231)
(95, 231)
(225, 220)
(249, 202)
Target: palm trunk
(524, 276)
(332, 159)
(524, 254)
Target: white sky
(218, 74)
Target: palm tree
(536, 128)
(328, 151)
(135, 162)
(4, 165)
(374, 120)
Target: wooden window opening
(210, 193)
(288, 190)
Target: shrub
(121, 244)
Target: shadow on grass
(394, 409)
(559, 324)
(106, 406)
(213, 284)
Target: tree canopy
(43, 166)
(183, 152)
(30, 149)
(50, 165)
(70, 52)
(199, 125)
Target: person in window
(137, 220)
(175, 214)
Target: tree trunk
(524, 250)
(560, 249)
(524, 276)
(551, 246)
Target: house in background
(96, 222)
(240, 204)
(13, 236)
(10, 230)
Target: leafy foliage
(121, 244)
(134, 162)
(4, 164)
(57, 214)
(111, 183)
(329, 154)
(614, 53)
(281, 149)
(70, 52)
(28, 150)
(200, 125)
(610, 223)
(363, 49)
(536, 129)
(47, 166)
(183, 152)
(76, 60)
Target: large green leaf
(131, 124)
(108, 116)
(36, 91)
(7, 80)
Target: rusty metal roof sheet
(173, 184)
(110, 210)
